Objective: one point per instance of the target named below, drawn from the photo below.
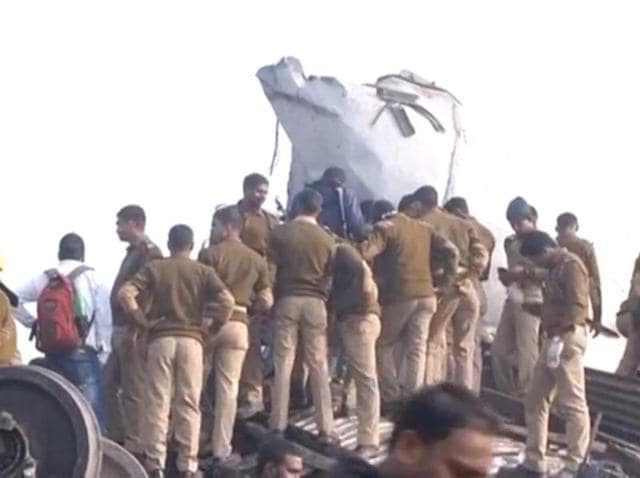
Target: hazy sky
(106, 103)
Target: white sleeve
(27, 293)
(101, 328)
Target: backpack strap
(51, 273)
(77, 272)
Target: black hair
(335, 175)
(71, 247)
(308, 201)
(406, 202)
(366, 207)
(380, 208)
(180, 238)
(566, 220)
(254, 180)
(434, 412)
(230, 217)
(535, 243)
(134, 213)
(457, 204)
(427, 196)
(273, 450)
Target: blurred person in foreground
(443, 431)
(277, 458)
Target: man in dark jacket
(340, 208)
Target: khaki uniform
(302, 253)
(124, 371)
(629, 327)
(8, 339)
(564, 314)
(586, 252)
(255, 234)
(460, 302)
(403, 249)
(489, 242)
(246, 275)
(515, 348)
(180, 291)
(355, 302)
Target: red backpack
(55, 329)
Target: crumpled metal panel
(508, 453)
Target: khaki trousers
(124, 391)
(405, 327)
(436, 343)
(359, 334)
(251, 380)
(631, 358)
(515, 349)
(566, 385)
(229, 350)
(464, 326)
(304, 317)
(173, 363)
(477, 354)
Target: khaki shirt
(137, 257)
(354, 291)
(473, 256)
(530, 287)
(8, 340)
(244, 272)
(404, 249)
(257, 227)
(566, 295)
(303, 253)
(586, 252)
(180, 290)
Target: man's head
(408, 205)
(335, 177)
(227, 222)
(366, 207)
(180, 239)
(427, 198)
(71, 247)
(442, 432)
(520, 216)
(539, 247)
(278, 459)
(380, 209)
(130, 223)
(307, 202)
(567, 224)
(457, 205)
(255, 188)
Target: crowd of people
(384, 300)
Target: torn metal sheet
(390, 137)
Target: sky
(108, 103)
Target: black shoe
(329, 438)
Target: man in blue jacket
(340, 208)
